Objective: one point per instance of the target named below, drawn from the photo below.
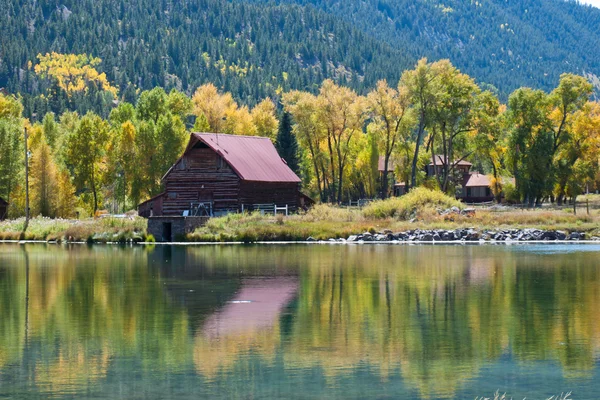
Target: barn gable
(252, 158)
(220, 173)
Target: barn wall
(201, 175)
(280, 194)
(179, 226)
(3, 210)
(151, 207)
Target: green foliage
(251, 50)
(410, 205)
(505, 44)
(201, 124)
(510, 193)
(286, 143)
(11, 161)
(85, 149)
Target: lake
(299, 321)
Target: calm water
(260, 322)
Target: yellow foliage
(10, 107)
(238, 121)
(43, 181)
(65, 201)
(264, 119)
(73, 72)
(215, 106)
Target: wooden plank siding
(151, 207)
(229, 172)
(201, 175)
(280, 194)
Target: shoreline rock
(469, 235)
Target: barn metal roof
(477, 180)
(253, 158)
(441, 160)
(381, 164)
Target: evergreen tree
(286, 143)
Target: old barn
(219, 174)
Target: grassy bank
(420, 209)
(99, 230)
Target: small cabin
(219, 174)
(3, 209)
(461, 167)
(476, 187)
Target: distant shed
(220, 173)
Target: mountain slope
(254, 48)
(248, 49)
(506, 43)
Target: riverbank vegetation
(100, 230)
(538, 147)
(422, 209)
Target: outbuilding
(219, 174)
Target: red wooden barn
(221, 173)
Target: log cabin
(218, 174)
(3, 209)
(474, 186)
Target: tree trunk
(498, 194)
(332, 189)
(384, 183)
(413, 173)
(94, 193)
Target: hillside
(256, 48)
(505, 43)
(248, 49)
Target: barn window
(172, 195)
(219, 162)
(200, 145)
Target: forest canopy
(538, 146)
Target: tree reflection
(435, 315)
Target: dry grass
(417, 201)
(324, 222)
(499, 396)
(90, 230)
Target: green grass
(422, 206)
(321, 222)
(416, 210)
(100, 230)
(409, 206)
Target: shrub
(326, 212)
(414, 202)
(510, 193)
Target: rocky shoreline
(466, 235)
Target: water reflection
(421, 321)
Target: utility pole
(26, 183)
